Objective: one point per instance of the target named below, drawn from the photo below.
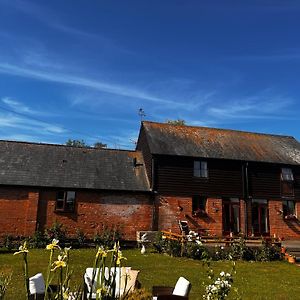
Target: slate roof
(221, 143)
(46, 165)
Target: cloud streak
(101, 86)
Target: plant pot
(291, 259)
(283, 250)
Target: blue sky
(82, 69)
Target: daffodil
(59, 263)
(54, 245)
(119, 257)
(101, 252)
(22, 249)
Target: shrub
(267, 253)
(38, 240)
(56, 231)
(196, 251)
(239, 250)
(80, 237)
(8, 242)
(107, 236)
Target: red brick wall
(18, 211)
(287, 229)
(129, 212)
(173, 209)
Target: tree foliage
(83, 144)
(178, 122)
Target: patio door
(260, 217)
(231, 216)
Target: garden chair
(37, 287)
(125, 280)
(179, 292)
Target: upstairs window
(200, 168)
(287, 174)
(199, 206)
(287, 182)
(65, 201)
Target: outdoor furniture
(180, 291)
(37, 287)
(125, 280)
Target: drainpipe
(154, 193)
(246, 195)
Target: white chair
(37, 286)
(180, 291)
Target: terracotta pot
(291, 259)
(283, 250)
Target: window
(287, 174)
(287, 182)
(288, 207)
(65, 201)
(199, 205)
(200, 168)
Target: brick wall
(129, 212)
(173, 209)
(280, 227)
(18, 211)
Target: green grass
(273, 280)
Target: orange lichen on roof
(221, 143)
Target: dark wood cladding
(143, 146)
(264, 180)
(174, 176)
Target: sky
(75, 69)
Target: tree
(83, 144)
(178, 122)
(76, 143)
(100, 145)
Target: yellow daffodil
(60, 263)
(101, 252)
(119, 257)
(101, 291)
(22, 249)
(54, 245)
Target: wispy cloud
(86, 82)
(256, 107)
(10, 120)
(17, 106)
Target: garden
(214, 272)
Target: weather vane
(142, 114)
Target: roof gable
(49, 165)
(207, 142)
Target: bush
(139, 294)
(239, 250)
(267, 253)
(195, 251)
(38, 240)
(4, 282)
(8, 242)
(80, 237)
(107, 236)
(56, 231)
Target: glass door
(231, 216)
(260, 217)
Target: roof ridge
(65, 146)
(222, 129)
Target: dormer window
(287, 174)
(200, 168)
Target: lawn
(269, 280)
